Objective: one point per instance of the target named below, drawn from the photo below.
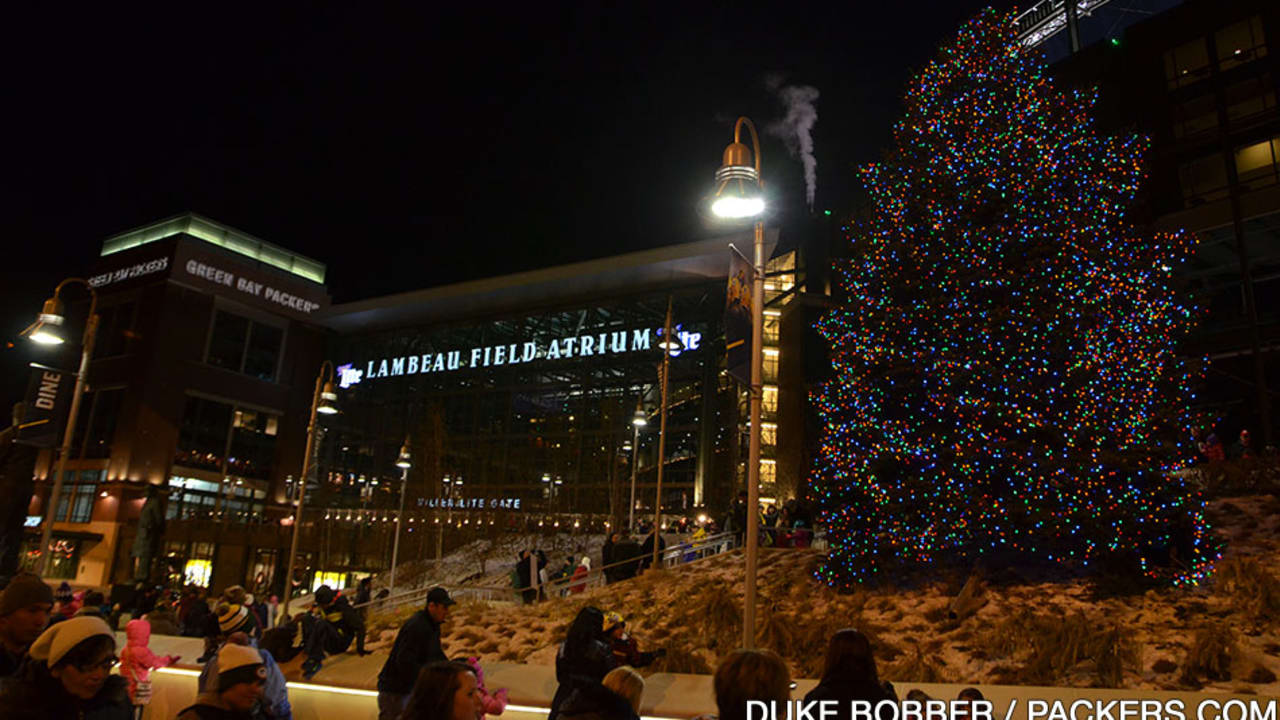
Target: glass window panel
(1186, 63)
(226, 345)
(1249, 98)
(1204, 179)
(264, 351)
(1194, 116)
(102, 427)
(202, 438)
(1256, 164)
(1240, 43)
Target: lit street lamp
(404, 463)
(47, 330)
(323, 402)
(739, 195)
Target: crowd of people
(58, 649)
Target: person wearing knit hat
(274, 702)
(242, 675)
(626, 651)
(329, 629)
(69, 675)
(24, 612)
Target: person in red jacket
(580, 576)
(626, 651)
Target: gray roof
(669, 266)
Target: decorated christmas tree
(1005, 376)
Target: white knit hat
(61, 637)
(237, 664)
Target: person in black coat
(417, 645)
(646, 550)
(584, 657)
(596, 702)
(68, 676)
(849, 674)
(527, 593)
(329, 629)
(626, 550)
(607, 559)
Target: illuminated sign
(248, 286)
(470, 503)
(128, 273)
(32, 521)
(614, 342)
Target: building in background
(1200, 80)
(200, 383)
(517, 395)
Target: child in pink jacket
(137, 661)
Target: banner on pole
(45, 408)
(737, 316)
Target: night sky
(414, 147)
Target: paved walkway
(346, 688)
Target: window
(1250, 98)
(1240, 43)
(245, 346)
(203, 439)
(1203, 179)
(96, 424)
(769, 364)
(115, 330)
(79, 493)
(769, 401)
(1256, 164)
(63, 562)
(768, 471)
(1186, 63)
(768, 433)
(1195, 116)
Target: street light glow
(45, 336)
(734, 206)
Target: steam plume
(795, 128)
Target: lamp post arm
(755, 139)
(86, 352)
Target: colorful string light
(1004, 369)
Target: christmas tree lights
(1004, 370)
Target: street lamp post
(637, 421)
(404, 463)
(46, 331)
(322, 403)
(669, 345)
(739, 195)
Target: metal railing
(683, 552)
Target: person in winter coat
(617, 697)
(849, 673)
(580, 575)
(274, 702)
(163, 620)
(584, 658)
(646, 550)
(25, 605)
(137, 661)
(491, 704)
(329, 630)
(523, 577)
(417, 645)
(626, 550)
(444, 691)
(241, 679)
(68, 676)
(746, 675)
(607, 559)
(626, 651)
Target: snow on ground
(1005, 632)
